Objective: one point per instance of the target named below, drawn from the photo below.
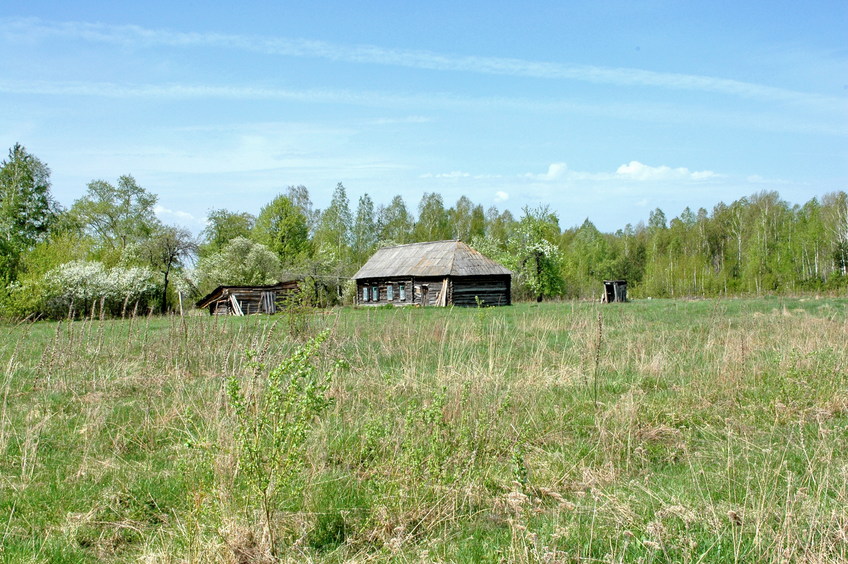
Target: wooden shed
(615, 291)
(438, 273)
(245, 300)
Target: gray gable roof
(439, 258)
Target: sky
(603, 110)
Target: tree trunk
(165, 290)
(539, 277)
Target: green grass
(700, 431)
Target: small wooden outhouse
(615, 291)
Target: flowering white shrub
(78, 284)
(131, 284)
(78, 281)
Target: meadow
(653, 431)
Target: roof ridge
(421, 243)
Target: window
(375, 293)
(365, 293)
(390, 292)
(402, 292)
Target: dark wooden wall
(491, 290)
(461, 291)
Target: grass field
(654, 431)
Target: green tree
(460, 218)
(835, 214)
(478, 222)
(630, 262)
(364, 230)
(117, 217)
(299, 195)
(499, 226)
(223, 226)
(240, 262)
(588, 258)
(535, 256)
(394, 223)
(27, 208)
(166, 249)
(657, 220)
(282, 227)
(333, 235)
(433, 223)
(812, 244)
(765, 253)
(28, 293)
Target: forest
(108, 249)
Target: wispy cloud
(183, 91)
(140, 37)
(627, 111)
(452, 174)
(559, 174)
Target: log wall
(490, 290)
(432, 291)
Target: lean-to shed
(244, 300)
(438, 273)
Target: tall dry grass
(691, 432)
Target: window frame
(375, 293)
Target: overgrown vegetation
(668, 431)
(757, 245)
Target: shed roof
(437, 258)
(219, 292)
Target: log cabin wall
(490, 290)
(461, 291)
(427, 290)
(382, 296)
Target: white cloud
(446, 175)
(453, 174)
(556, 171)
(181, 216)
(634, 170)
(501, 196)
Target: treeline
(108, 251)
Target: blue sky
(605, 110)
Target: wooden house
(245, 300)
(439, 273)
